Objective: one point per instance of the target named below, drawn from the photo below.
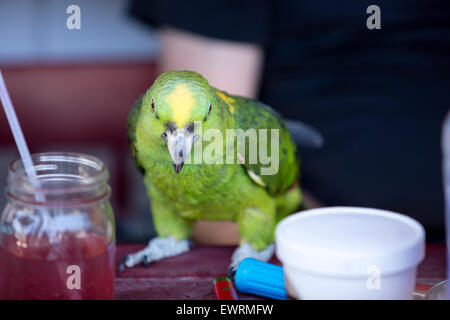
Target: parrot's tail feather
(288, 202)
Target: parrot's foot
(157, 249)
(247, 251)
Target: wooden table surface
(191, 275)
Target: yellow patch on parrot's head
(181, 101)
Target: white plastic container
(350, 253)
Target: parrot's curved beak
(179, 142)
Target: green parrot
(181, 117)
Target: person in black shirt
(378, 97)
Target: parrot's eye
(209, 111)
(152, 105)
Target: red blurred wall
(76, 103)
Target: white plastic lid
(350, 241)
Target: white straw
(17, 131)
(28, 163)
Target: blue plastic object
(260, 278)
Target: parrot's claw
(231, 272)
(247, 251)
(157, 249)
(122, 265)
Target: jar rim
(57, 173)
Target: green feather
(252, 114)
(132, 119)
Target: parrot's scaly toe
(247, 251)
(122, 265)
(146, 263)
(157, 249)
(231, 272)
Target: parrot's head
(172, 106)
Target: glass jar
(57, 232)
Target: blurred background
(72, 90)
(378, 96)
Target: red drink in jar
(60, 244)
(35, 272)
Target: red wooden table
(191, 275)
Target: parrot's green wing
(132, 120)
(252, 114)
